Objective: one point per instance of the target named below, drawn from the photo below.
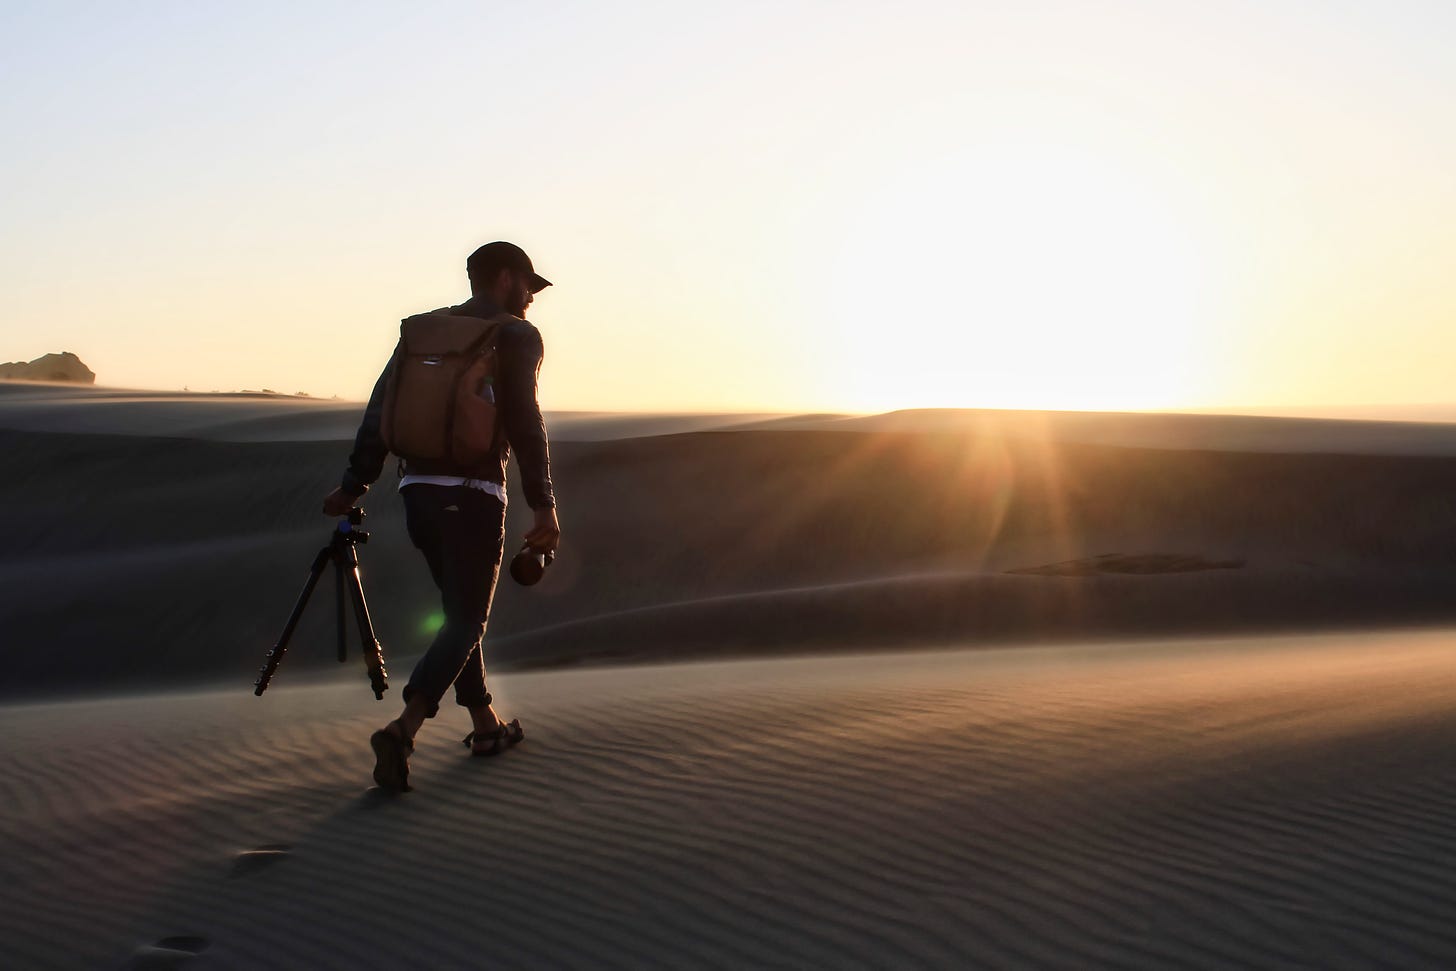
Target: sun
(1018, 279)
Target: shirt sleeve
(521, 350)
(367, 459)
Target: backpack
(439, 401)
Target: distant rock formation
(49, 367)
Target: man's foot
(392, 748)
(497, 740)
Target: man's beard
(518, 302)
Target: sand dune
(1254, 802)
(143, 561)
(1237, 804)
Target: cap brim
(539, 283)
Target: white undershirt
(494, 488)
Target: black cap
(503, 256)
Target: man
(456, 516)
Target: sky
(781, 206)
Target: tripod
(342, 550)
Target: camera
(530, 565)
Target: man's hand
(546, 534)
(339, 502)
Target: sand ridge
(252, 416)
(1192, 804)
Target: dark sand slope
(142, 561)
(253, 416)
(1201, 805)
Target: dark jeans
(461, 531)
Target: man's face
(518, 294)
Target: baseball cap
(501, 255)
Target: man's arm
(521, 353)
(367, 459)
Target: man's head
(503, 272)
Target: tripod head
(348, 530)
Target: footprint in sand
(169, 952)
(251, 861)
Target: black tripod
(342, 551)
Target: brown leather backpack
(439, 402)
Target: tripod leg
(373, 656)
(270, 663)
(339, 595)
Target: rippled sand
(1201, 804)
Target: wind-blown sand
(1145, 797)
(1234, 804)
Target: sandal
(505, 735)
(391, 758)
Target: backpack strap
(485, 346)
(490, 340)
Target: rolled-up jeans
(461, 532)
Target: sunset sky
(747, 206)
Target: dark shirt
(520, 349)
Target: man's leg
(470, 690)
(471, 694)
(461, 532)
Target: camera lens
(529, 566)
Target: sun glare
(1021, 280)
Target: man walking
(456, 515)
